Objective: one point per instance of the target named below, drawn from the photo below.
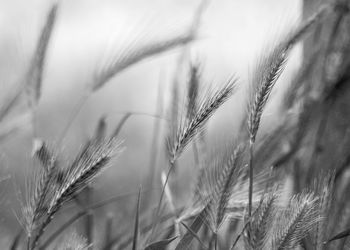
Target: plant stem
(156, 133)
(215, 241)
(28, 243)
(172, 164)
(73, 115)
(89, 223)
(108, 231)
(250, 197)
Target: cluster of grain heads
(188, 128)
(294, 222)
(222, 183)
(277, 226)
(46, 195)
(220, 192)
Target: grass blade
(339, 236)
(194, 235)
(160, 245)
(188, 237)
(136, 226)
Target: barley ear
(298, 219)
(35, 73)
(188, 129)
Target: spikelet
(269, 68)
(266, 73)
(192, 92)
(144, 45)
(221, 190)
(259, 230)
(188, 129)
(94, 158)
(34, 75)
(298, 219)
(39, 185)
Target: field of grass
(267, 182)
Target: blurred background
(231, 35)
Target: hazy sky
(232, 34)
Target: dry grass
(238, 200)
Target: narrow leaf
(339, 236)
(194, 235)
(160, 245)
(121, 124)
(188, 237)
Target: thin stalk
(172, 164)
(156, 128)
(213, 241)
(139, 113)
(250, 196)
(90, 229)
(108, 231)
(240, 234)
(89, 223)
(72, 117)
(121, 124)
(16, 240)
(28, 243)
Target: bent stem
(172, 164)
